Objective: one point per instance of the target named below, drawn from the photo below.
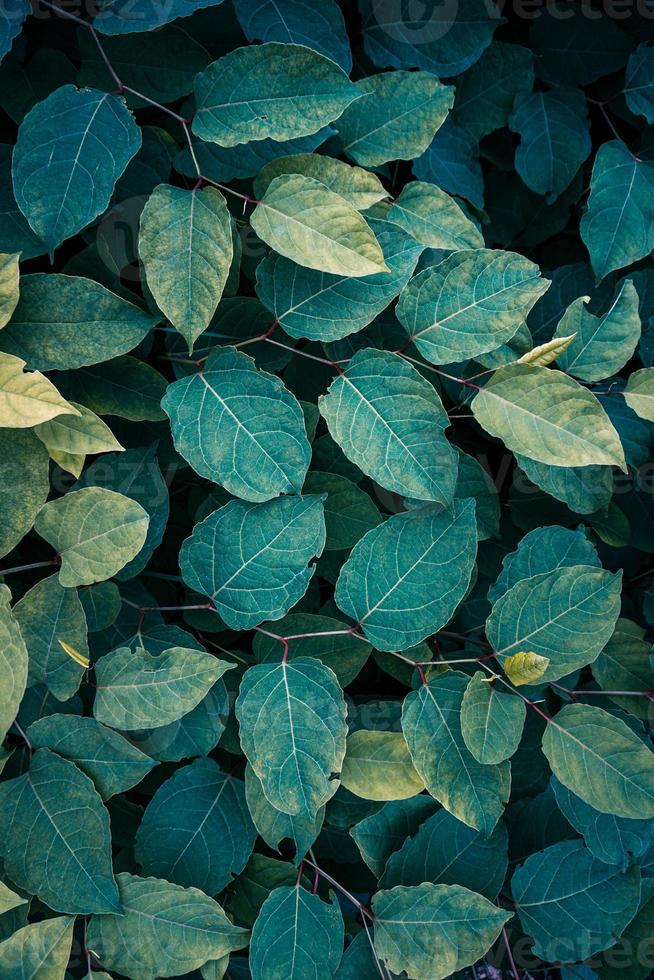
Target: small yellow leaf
(75, 654)
(544, 354)
(525, 668)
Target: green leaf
(41, 950)
(618, 963)
(358, 187)
(431, 931)
(137, 690)
(404, 579)
(77, 434)
(572, 904)
(197, 829)
(491, 721)
(525, 668)
(602, 345)
(618, 225)
(302, 703)
(600, 759)
(272, 90)
(548, 417)
(125, 387)
(445, 40)
(397, 117)
(384, 832)
(639, 393)
(318, 24)
(299, 217)
(296, 935)
(261, 876)
(25, 484)
(252, 559)
(26, 399)
(349, 511)
(13, 663)
(196, 227)
(47, 615)
(470, 303)
(69, 322)
(325, 307)
(473, 792)
(273, 826)
(239, 427)
(9, 900)
(94, 531)
(55, 833)
(447, 852)
(113, 763)
(72, 147)
(545, 354)
(390, 422)
(164, 931)
(378, 766)
(9, 288)
(434, 218)
(554, 138)
(566, 615)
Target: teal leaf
(292, 730)
(251, 559)
(13, 663)
(281, 91)
(472, 302)
(486, 93)
(72, 147)
(603, 344)
(566, 615)
(239, 427)
(316, 24)
(447, 852)
(47, 615)
(165, 930)
(11, 23)
(585, 489)
(618, 226)
(547, 416)
(396, 118)
(614, 840)
(95, 532)
(384, 832)
(452, 161)
(390, 422)
(126, 387)
(473, 792)
(55, 833)
(322, 306)
(296, 936)
(302, 219)
(41, 949)
(197, 829)
(491, 720)
(349, 511)
(433, 218)
(600, 759)
(69, 322)
(196, 226)
(554, 139)
(624, 665)
(444, 39)
(572, 904)
(431, 931)
(136, 690)
(404, 579)
(639, 89)
(113, 763)
(273, 826)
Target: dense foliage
(326, 523)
